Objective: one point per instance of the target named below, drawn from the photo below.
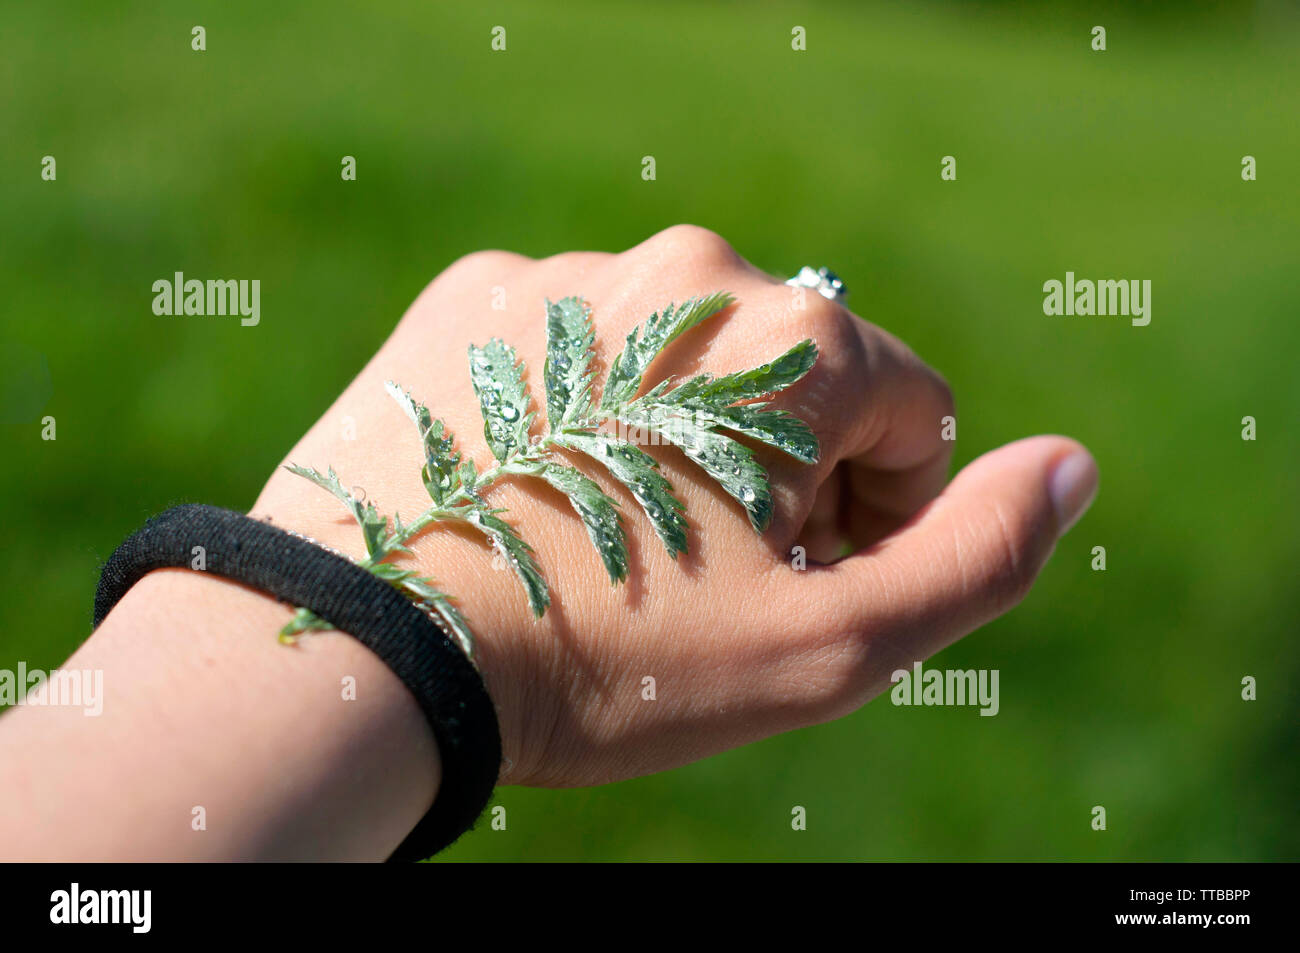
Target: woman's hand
(740, 641)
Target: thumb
(970, 555)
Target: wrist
(239, 748)
(458, 562)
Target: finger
(888, 421)
(822, 536)
(878, 502)
(903, 454)
(968, 557)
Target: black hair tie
(449, 689)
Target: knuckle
(692, 242)
(479, 264)
(575, 262)
(944, 396)
(831, 326)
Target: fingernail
(1072, 486)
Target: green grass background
(1119, 688)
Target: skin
(203, 707)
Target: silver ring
(825, 281)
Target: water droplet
(509, 413)
(747, 494)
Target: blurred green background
(1118, 688)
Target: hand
(740, 644)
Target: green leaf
(467, 476)
(776, 428)
(729, 463)
(374, 528)
(689, 414)
(766, 379)
(330, 482)
(705, 399)
(503, 396)
(304, 620)
(434, 602)
(645, 342)
(449, 617)
(390, 572)
(516, 552)
(568, 361)
(599, 514)
(638, 471)
(440, 460)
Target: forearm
(207, 717)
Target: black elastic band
(448, 688)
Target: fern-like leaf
(645, 342)
(517, 554)
(450, 618)
(769, 378)
(569, 338)
(434, 602)
(639, 472)
(599, 515)
(776, 428)
(304, 620)
(706, 399)
(441, 461)
(691, 415)
(498, 378)
(374, 528)
(729, 463)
